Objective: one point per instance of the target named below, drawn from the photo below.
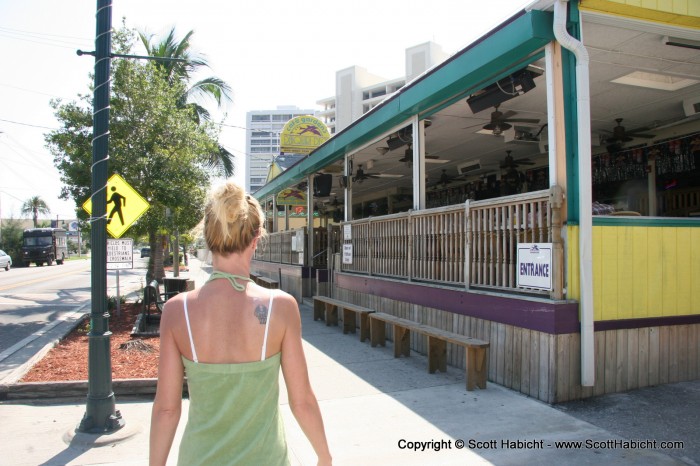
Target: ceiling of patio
(453, 135)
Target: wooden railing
(283, 247)
(471, 245)
(497, 226)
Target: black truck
(44, 245)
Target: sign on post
(535, 266)
(120, 253)
(124, 206)
(347, 253)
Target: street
(34, 297)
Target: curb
(28, 391)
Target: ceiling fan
(500, 121)
(620, 135)
(408, 155)
(360, 176)
(445, 179)
(510, 162)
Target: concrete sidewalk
(381, 410)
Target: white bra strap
(267, 327)
(189, 331)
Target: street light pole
(101, 415)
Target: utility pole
(101, 415)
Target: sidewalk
(382, 410)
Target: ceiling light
(678, 42)
(662, 82)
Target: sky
(270, 52)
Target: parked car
(5, 260)
(145, 252)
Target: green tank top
(234, 416)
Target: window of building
(260, 118)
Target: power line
(20, 31)
(30, 90)
(41, 38)
(27, 124)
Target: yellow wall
(639, 271)
(676, 12)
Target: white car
(5, 260)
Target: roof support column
(556, 126)
(310, 221)
(418, 128)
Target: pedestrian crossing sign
(124, 206)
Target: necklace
(233, 279)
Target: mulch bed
(131, 357)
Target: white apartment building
(356, 92)
(263, 141)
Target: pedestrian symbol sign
(124, 206)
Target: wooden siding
(547, 366)
(673, 12)
(639, 271)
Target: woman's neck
(236, 264)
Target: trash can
(174, 285)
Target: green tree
(35, 206)
(12, 240)
(185, 65)
(155, 144)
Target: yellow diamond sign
(124, 206)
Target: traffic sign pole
(101, 415)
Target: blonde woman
(230, 337)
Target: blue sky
(270, 52)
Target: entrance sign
(535, 265)
(124, 206)
(120, 253)
(303, 134)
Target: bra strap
(267, 327)
(189, 332)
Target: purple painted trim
(322, 275)
(646, 322)
(541, 315)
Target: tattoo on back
(261, 313)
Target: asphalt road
(34, 297)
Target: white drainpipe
(585, 200)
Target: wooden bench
(153, 298)
(266, 282)
(326, 308)
(476, 350)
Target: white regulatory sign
(120, 253)
(347, 253)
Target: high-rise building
(356, 92)
(263, 141)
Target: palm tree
(35, 206)
(181, 70)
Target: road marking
(37, 280)
(72, 316)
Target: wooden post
(555, 201)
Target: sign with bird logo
(303, 134)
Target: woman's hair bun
(232, 219)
